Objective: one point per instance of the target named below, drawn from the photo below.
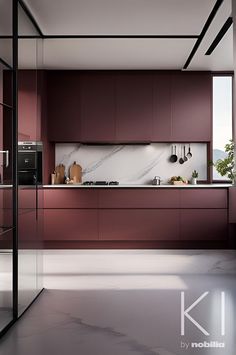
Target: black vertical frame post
(15, 154)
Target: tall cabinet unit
(63, 106)
(97, 107)
(191, 103)
(134, 111)
(162, 107)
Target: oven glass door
(27, 160)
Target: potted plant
(226, 166)
(194, 177)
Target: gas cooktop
(100, 183)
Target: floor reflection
(129, 303)
(5, 287)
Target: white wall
(136, 164)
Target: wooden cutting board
(60, 174)
(76, 173)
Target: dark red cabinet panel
(70, 198)
(135, 214)
(28, 120)
(203, 224)
(27, 198)
(139, 198)
(70, 224)
(6, 207)
(204, 198)
(143, 224)
(232, 205)
(97, 107)
(63, 106)
(134, 107)
(162, 126)
(191, 107)
(124, 106)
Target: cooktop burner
(101, 183)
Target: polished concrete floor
(129, 303)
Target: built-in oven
(30, 163)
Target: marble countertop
(143, 186)
(136, 186)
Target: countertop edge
(123, 186)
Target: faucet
(156, 180)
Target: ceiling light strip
(204, 30)
(220, 35)
(126, 36)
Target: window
(222, 118)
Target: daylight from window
(222, 118)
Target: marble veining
(132, 163)
(84, 310)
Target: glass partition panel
(6, 30)
(29, 218)
(6, 170)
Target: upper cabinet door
(134, 107)
(63, 106)
(28, 119)
(162, 107)
(97, 107)
(191, 107)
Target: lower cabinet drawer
(74, 224)
(139, 224)
(208, 224)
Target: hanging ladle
(181, 160)
(185, 157)
(189, 155)
(173, 157)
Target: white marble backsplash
(136, 164)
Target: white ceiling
(121, 16)
(116, 54)
(161, 17)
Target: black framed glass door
(8, 185)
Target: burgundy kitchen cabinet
(6, 241)
(203, 224)
(63, 106)
(232, 205)
(27, 198)
(97, 107)
(6, 207)
(134, 107)
(122, 214)
(139, 224)
(203, 198)
(6, 79)
(191, 107)
(70, 224)
(162, 125)
(28, 119)
(139, 198)
(70, 198)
